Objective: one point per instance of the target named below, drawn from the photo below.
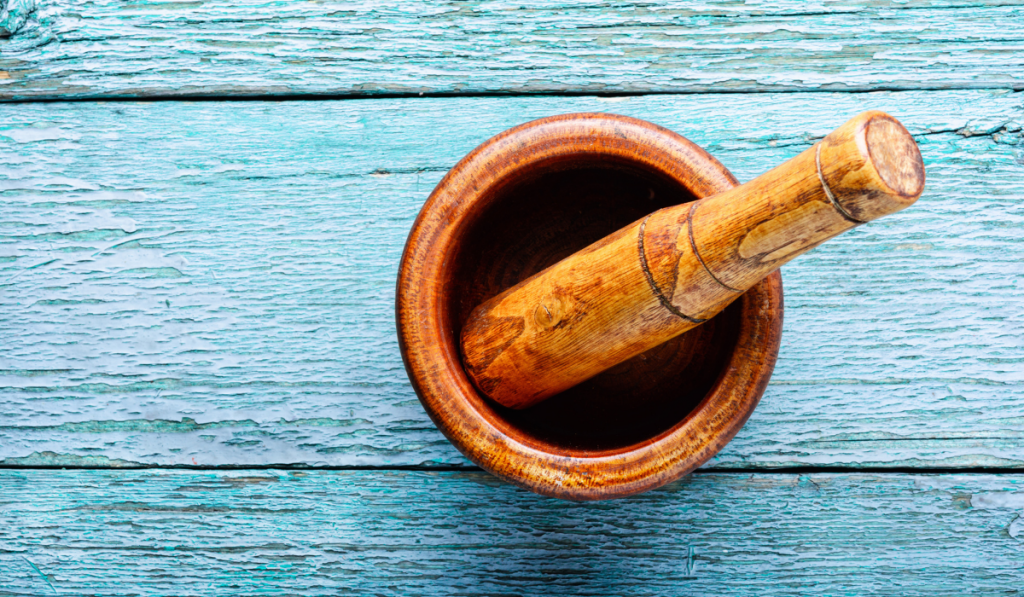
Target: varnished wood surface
(230, 48)
(222, 292)
(679, 266)
(595, 308)
(265, 532)
(512, 188)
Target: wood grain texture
(400, 533)
(502, 213)
(618, 297)
(106, 48)
(213, 283)
(597, 307)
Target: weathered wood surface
(213, 283)
(414, 533)
(98, 48)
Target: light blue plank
(213, 283)
(362, 533)
(95, 48)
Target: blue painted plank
(404, 533)
(212, 283)
(106, 48)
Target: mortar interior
(537, 221)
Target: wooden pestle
(681, 265)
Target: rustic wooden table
(204, 205)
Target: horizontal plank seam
(258, 97)
(791, 470)
(833, 13)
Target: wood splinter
(679, 266)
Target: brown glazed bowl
(522, 201)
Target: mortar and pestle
(589, 305)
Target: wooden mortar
(523, 201)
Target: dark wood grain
(549, 188)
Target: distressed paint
(465, 533)
(106, 48)
(213, 283)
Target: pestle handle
(678, 267)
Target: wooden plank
(106, 48)
(212, 283)
(317, 533)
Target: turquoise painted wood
(213, 283)
(416, 533)
(146, 48)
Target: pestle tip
(895, 155)
(871, 167)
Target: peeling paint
(358, 532)
(101, 49)
(245, 316)
(1003, 499)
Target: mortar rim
(430, 352)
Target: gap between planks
(448, 468)
(320, 97)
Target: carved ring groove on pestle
(693, 246)
(650, 278)
(828, 192)
(863, 170)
